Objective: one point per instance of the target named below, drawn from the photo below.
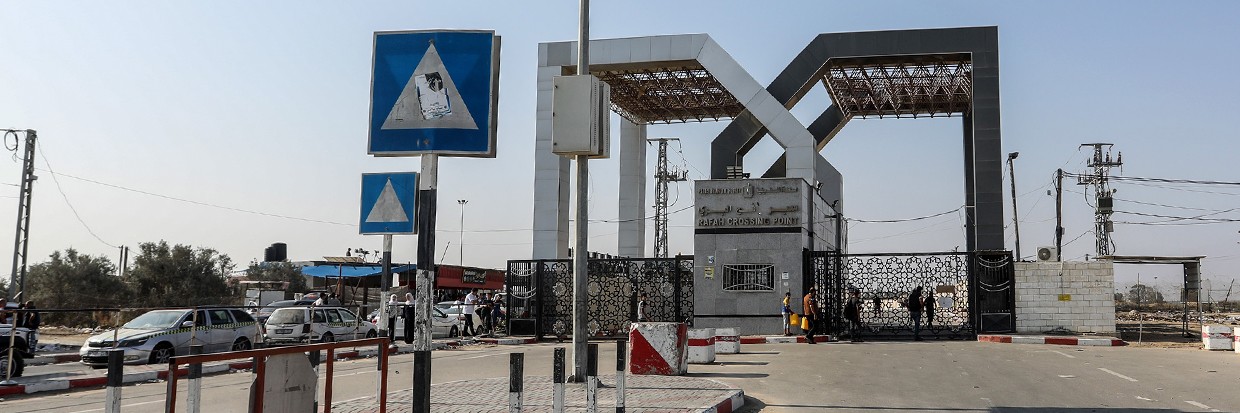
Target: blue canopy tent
(350, 271)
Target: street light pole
(1015, 221)
(581, 250)
(462, 203)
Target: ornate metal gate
(542, 291)
(973, 292)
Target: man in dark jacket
(914, 311)
(852, 311)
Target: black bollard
(557, 380)
(116, 379)
(516, 367)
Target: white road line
(1200, 405)
(484, 355)
(1117, 374)
(127, 405)
(334, 403)
(1063, 354)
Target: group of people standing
(916, 304)
(487, 307)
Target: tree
(1119, 297)
(1145, 294)
(278, 271)
(72, 280)
(179, 276)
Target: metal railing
(260, 359)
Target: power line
(887, 221)
(66, 198)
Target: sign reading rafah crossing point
(388, 203)
(434, 92)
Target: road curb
(1052, 340)
(508, 341)
(729, 405)
(781, 339)
(53, 359)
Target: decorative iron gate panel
(885, 281)
(542, 291)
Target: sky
(233, 124)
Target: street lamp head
(462, 201)
(1013, 155)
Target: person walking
(497, 308)
(810, 315)
(30, 320)
(928, 307)
(852, 312)
(471, 304)
(786, 312)
(914, 311)
(641, 307)
(392, 307)
(484, 313)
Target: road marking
(1067, 376)
(1063, 354)
(127, 405)
(1199, 405)
(1142, 398)
(478, 357)
(334, 403)
(1117, 374)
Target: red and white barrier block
(1216, 337)
(701, 346)
(1236, 335)
(658, 349)
(727, 341)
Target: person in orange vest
(811, 315)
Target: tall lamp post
(1015, 220)
(462, 203)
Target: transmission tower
(1102, 163)
(663, 175)
(17, 279)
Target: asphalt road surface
(837, 377)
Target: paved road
(838, 377)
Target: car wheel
(18, 366)
(371, 334)
(327, 338)
(162, 353)
(242, 344)
(454, 332)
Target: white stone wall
(1091, 286)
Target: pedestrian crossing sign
(434, 92)
(388, 202)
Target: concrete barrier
(727, 341)
(658, 349)
(701, 348)
(1235, 334)
(1217, 337)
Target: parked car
(306, 324)
(442, 325)
(266, 311)
(156, 336)
(24, 340)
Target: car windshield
(288, 316)
(156, 319)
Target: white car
(158, 335)
(290, 325)
(442, 325)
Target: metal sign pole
(427, 188)
(385, 285)
(581, 251)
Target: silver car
(291, 325)
(158, 335)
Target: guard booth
(1191, 290)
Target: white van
(291, 325)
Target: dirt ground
(1165, 330)
(62, 339)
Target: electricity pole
(1102, 164)
(1015, 218)
(581, 255)
(21, 242)
(1059, 214)
(462, 203)
(663, 176)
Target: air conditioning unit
(581, 116)
(1048, 254)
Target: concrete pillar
(550, 178)
(632, 235)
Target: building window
(748, 277)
